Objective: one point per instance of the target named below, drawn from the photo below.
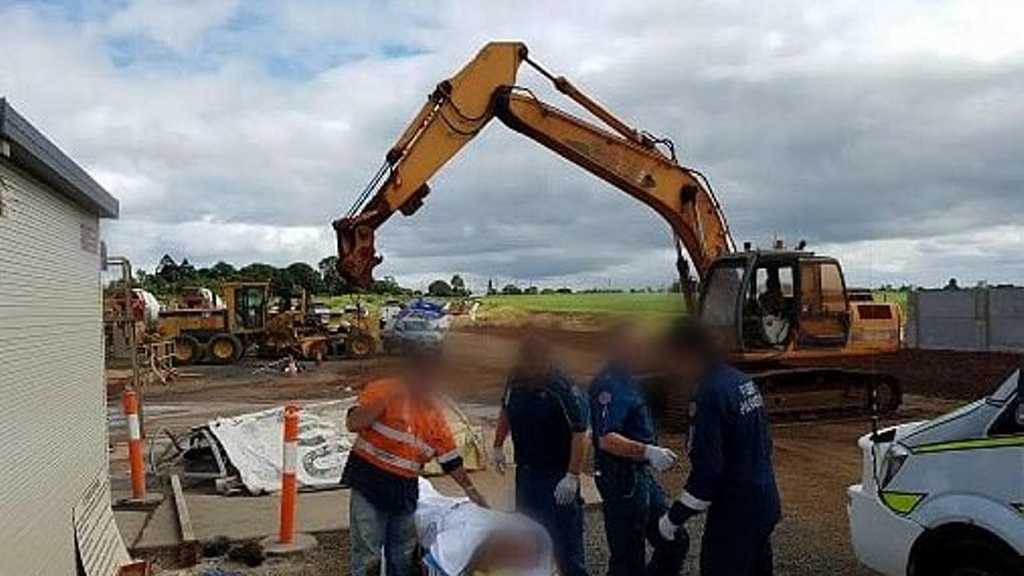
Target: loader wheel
(187, 350)
(224, 349)
(359, 346)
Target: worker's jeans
(633, 503)
(371, 529)
(535, 497)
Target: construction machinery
(219, 334)
(359, 332)
(779, 313)
(297, 323)
(221, 328)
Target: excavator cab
(765, 301)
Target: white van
(945, 497)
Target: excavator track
(793, 394)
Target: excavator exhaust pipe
(357, 252)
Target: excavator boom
(461, 106)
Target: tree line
(171, 276)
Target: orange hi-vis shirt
(407, 435)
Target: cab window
(250, 305)
(774, 279)
(833, 294)
(822, 289)
(823, 320)
(722, 295)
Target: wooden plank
(190, 548)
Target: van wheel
(981, 558)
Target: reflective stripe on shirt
(379, 455)
(692, 502)
(448, 456)
(404, 437)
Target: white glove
(661, 459)
(567, 489)
(498, 460)
(667, 529)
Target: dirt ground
(815, 461)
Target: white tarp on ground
(253, 444)
(452, 531)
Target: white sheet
(452, 529)
(253, 444)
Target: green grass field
(658, 305)
(900, 298)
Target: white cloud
(209, 240)
(873, 130)
(176, 24)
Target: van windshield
(1007, 389)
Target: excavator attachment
(454, 113)
(357, 251)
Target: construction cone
(287, 541)
(137, 468)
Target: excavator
(784, 315)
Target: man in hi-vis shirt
(400, 426)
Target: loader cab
(246, 303)
(763, 301)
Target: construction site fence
(976, 319)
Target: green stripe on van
(973, 444)
(902, 502)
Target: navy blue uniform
(732, 475)
(632, 499)
(543, 417)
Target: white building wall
(52, 397)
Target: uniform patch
(604, 398)
(750, 398)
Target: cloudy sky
(889, 134)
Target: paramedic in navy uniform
(626, 452)
(731, 473)
(547, 418)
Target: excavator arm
(485, 88)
